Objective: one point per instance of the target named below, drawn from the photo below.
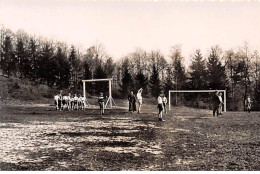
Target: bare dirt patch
(40, 138)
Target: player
(72, 102)
(216, 103)
(132, 101)
(76, 102)
(57, 101)
(60, 101)
(220, 104)
(101, 102)
(139, 99)
(160, 107)
(164, 104)
(248, 104)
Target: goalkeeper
(101, 102)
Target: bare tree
(138, 61)
(230, 66)
(157, 59)
(256, 68)
(99, 51)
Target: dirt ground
(36, 137)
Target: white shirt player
(139, 94)
(248, 101)
(83, 99)
(220, 98)
(160, 100)
(164, 100)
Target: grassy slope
(14, 90)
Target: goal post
(110, 99)
(199, 91)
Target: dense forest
(63, 66)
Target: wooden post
(225, 101)
(110, 92)
(84, 89)
(110, 99)
(84, 93)
(169, 100)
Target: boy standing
(164, 104)
(60, 101)
(139, 99)
(101, 102)
(132, 100)
(220, 104)
(160, 107)
(216, 103)
(76, 102)
(72, 102)
(248, 104)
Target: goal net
(195, 98)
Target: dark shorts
(215, 107)
(160, 107)
(132, 106)
(59, 103)
(101, 105)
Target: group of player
(75, 102)
(69, 102)
(218, 103)
(162, 102)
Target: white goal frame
(110, 99)
(186, 91)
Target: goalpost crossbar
(190, 91)
(110, 99)
(95, 80)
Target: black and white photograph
(129, 85)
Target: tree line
(44, 61)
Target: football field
(36, 137)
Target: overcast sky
(123, 26)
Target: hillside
(14, 90)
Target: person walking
(139, 99)
(132, 101)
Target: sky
(124, 26)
